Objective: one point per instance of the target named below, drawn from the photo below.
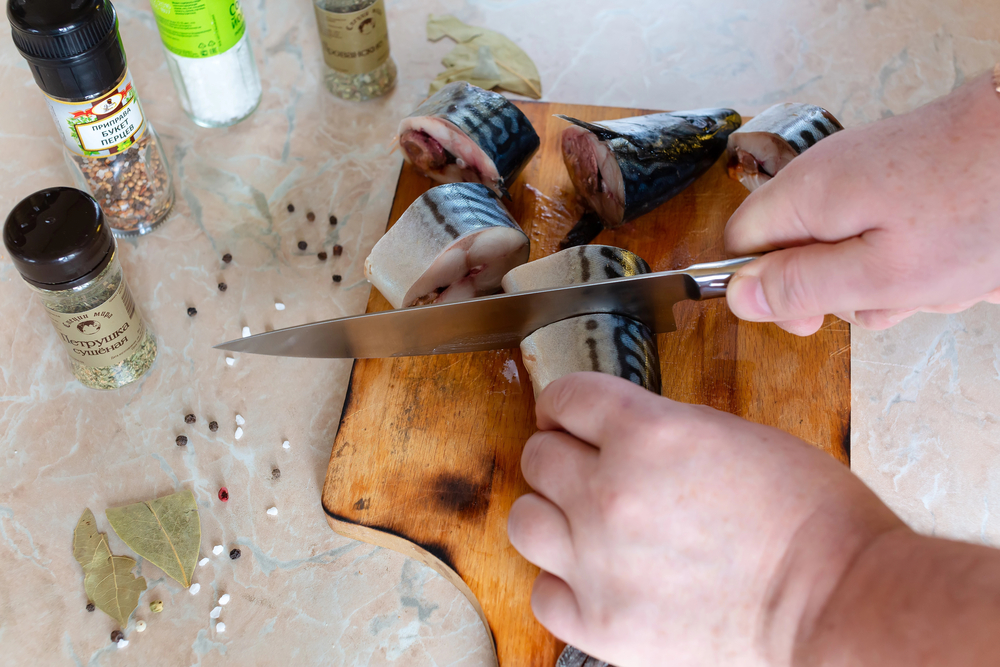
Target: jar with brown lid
(60, 243)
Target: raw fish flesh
(455, 242)
(768, 142)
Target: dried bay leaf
(517, 72)
(85, 539)
(110, 584)
(165, 531)
(107, 579)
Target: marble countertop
(924, 394)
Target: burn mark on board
(437, 550)
(846, 442)
(459, 495)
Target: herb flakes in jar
(355, 41)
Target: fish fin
(584, 231)
(602, 132)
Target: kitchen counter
(924, 394)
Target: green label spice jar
(60, 243)
(210, 60)
(355, 37)
(75, 54)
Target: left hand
(675, 534)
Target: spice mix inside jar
(75, 54)
(59, 241)
(355, 39)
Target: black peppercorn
(291, 209)
(192, 311)
(275, 474)
(234, 554)
(337, 278)
(182, 440)
(190, 419)
(310, 216)
(213, 426)
(333, 220)
(90, 606)
(117, 636)
(303, 245)
(223, 287)
(322, 256)
(227, 258)
(338, 250)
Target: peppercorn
(223, 287)
(192, 311)
(182, 440)
(322, 256)
(303, 245)
(213, 426)
(291, 209)
(275, 474)
(190, 419)
(117, 636)
(224, 494)
(227, 258)
(337, 278)
(333, 220)
(234, 554)
(310, 216)
(156, 606)
(90, 606)
(338, 250)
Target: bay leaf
(85, 539)
(110, 584)
(165, 531)
(517, 72)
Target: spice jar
(59, 241)
(75, 54)
(355, 39)
(209, 57)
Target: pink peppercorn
(223, 494)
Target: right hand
(879, 222)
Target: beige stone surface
(301, 594)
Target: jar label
(356, 42)
(199, 28)
(104, 336)
(104, 126)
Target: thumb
(807, 282)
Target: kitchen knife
(493, 322)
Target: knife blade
(492, 322)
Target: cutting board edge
(390, 539)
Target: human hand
(878, 222)
(675, 534)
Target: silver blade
(492, 322)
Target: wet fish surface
(768, 142)
(601, 342)
(625, 168)
(466, 134)
(455, 242)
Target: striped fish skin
(496, 126)
(456, 241)
(772, 139)
(583, 264)
(661, 154)
(603, 342)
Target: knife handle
(712, 278)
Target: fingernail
(747, 294)
(898, 317)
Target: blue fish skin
(462, 208)
(661, 154)
(498, 127)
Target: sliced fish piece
(602, 342)
(625, 168)
(768, 142)
(466, 134)
(455, 242)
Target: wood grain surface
(427, 457)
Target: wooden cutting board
(427, 457)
